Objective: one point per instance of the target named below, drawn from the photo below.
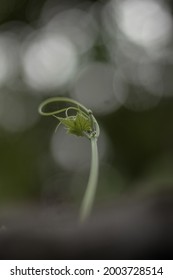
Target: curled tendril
(80, 122)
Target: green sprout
(80, 122)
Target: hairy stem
(92, 182)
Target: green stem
(93, 177)
(92, 182)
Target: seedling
(80, 122)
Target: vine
(80, 122)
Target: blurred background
(115, 57)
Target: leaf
(78, 125)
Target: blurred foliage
(140, 152)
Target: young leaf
(78, 125)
